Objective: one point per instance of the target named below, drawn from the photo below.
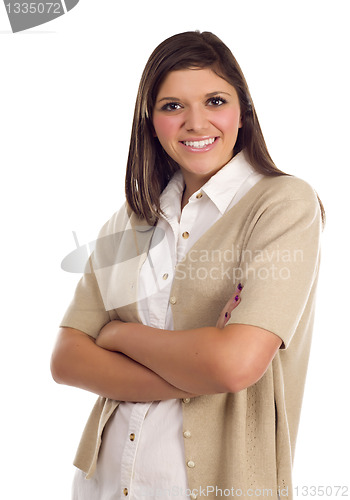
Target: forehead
(193, 82)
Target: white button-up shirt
(142, 453)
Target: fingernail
(240, 286)
(236, 298)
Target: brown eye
(216, 101)
(171, 106)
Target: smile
(200, 146)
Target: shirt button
(187, 434)
(186, 400)
(199, 195)
(132, 437)
(165, 276)
(173, 300)
(185, 235)
(190, 464)
(125, 491)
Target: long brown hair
(149, 167)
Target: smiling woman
(199, 363)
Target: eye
(216, 101)
(171, 106)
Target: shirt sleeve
(279, 262)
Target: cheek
(229, 120)
(165, 127)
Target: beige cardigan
(269, 241)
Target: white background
(67, 95)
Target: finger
(233, 304)
(221, 321)
(227, 317)
(231, 307)
(233, 300)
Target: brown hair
(149, 167)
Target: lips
(200, 145)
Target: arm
(78, 361)
(203, 361)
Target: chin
(201, 168)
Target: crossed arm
(133, 362)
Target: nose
(196, 119)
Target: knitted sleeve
(279, 261)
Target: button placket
(130, 450)
(187, 221)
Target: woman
(193, 319)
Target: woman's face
(196, 119)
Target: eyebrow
(210, 94)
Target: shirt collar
(220, 188)
(171, 197)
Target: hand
(108, 337)
(231, 304)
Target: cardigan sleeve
(279, 261)
(107, 289)
(86, 311)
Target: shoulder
(120, 233)
(281, 201)
(119, 221)
(291, 195)
(287, 202)
(287, 187)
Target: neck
(192, 184)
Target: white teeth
(199, 144)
